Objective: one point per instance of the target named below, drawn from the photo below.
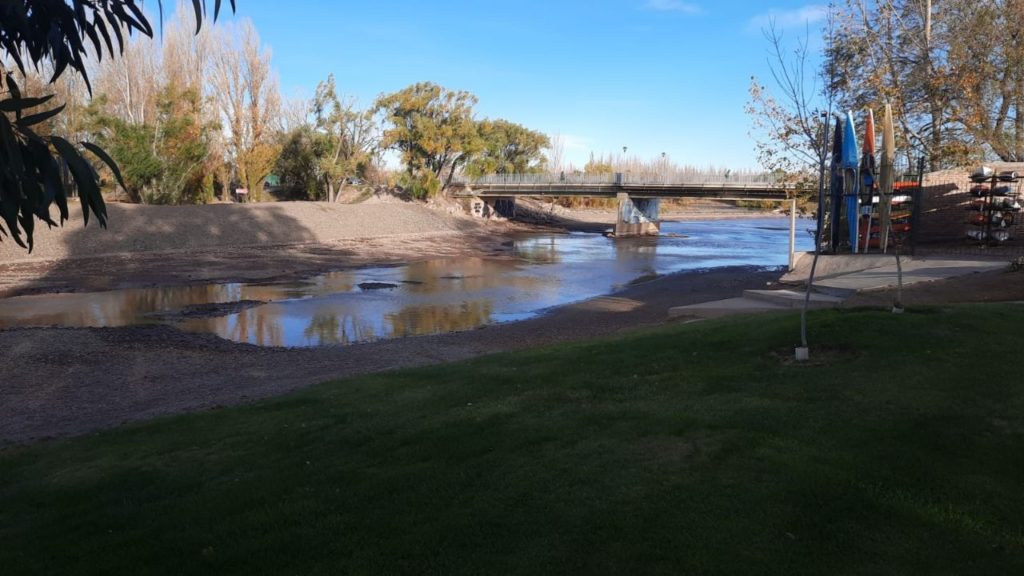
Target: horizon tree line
(197, 112)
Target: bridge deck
(713, 190)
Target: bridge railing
(618, 178)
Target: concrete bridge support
(637, 216)
(494, 207)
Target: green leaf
(9, 213)
(47, 167)
(102, 155)
(198, 7)
(13, 86)
(34, 119)
(28, 225)
(19, 104)
(88, 188)
(11, 147)
(216, 8)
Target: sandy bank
(138, 228)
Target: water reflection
(422, 298)
(418, 320)
(114, 308)
(544, 250)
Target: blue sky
(653, 75)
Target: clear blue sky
(654, 75)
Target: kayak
(886, 175)
(850, 163)
(835, 197)
(867, 166)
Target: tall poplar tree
(38, 33)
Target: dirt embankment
(137, 228)
(156, 245)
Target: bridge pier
(491, 207)
(637, 216)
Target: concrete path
(855, 273)
(837, 278)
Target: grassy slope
(691, 449)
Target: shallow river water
(427, 297)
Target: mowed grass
(692, 449)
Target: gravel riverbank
(73, 381)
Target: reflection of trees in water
(117, 308)
(326, 328)
(468, 275)
(323, 328)
(423, 320)
(321, 285)
(260, 326)
(433, 276)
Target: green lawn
(693, 449)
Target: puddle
(428, 297)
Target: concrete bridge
(639, 196)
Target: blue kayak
(850, 163)
(835, 189)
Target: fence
(630, 178)
(942, 217)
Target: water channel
(426, 297)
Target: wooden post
(792, 234)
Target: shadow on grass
(679, 450)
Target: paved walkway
(836, 278)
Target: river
(428, 297)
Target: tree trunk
(1018, 122)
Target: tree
(434, 130)
(556, 154)
(795, 127)
(598, 165)
(298, 166)
(248, 99)
(346, 136)
(334, 142)
(988, 76)
(952, 70)
(161, 161)
(788, 127)
(897, 52)
(57, 33)
(508, 148)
